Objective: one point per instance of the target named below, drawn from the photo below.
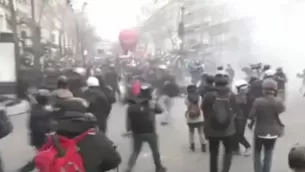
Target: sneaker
(203, 148)
(247, 152)
(192, 147)
(162, 169)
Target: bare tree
(14, 26)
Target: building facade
(55, 19)
(209, 24)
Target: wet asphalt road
(173, 142)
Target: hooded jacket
(208, 111)
(98, 152)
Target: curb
(19, 109)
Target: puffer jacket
(98, 152)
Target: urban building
(210, 26)
(55, 19)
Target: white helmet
(80, 70)
(240, 83)
(269, 72)
(93, 82)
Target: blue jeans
(268, 144)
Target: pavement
(173, 140)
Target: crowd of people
(76, 111)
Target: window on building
(53, 38)
(3, 2)
(2, 23)
(23, 34)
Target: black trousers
(214, 143)
(240, 138)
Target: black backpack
(223, 115)
(141, 114)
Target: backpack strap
(80, 137)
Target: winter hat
(93, 82)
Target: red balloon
(128, 39)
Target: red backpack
(61, 154)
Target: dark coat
(39, 124)
(141, 115)
(265, 112)
(208, 111)
(98, 106)
(98, 152)
(256, 90)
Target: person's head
(221, 79)
(62, 82)
(220, 68)
(191, 89)
(279, 70)
(266, 67)
(93, 82)
(42, 97)
(210, 79)
(296, 158)
(269, 87)
(146, 91)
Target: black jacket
(39, 124)
(98, 152)
(256, 90)
(208, 111)
(205, 89)
(98, 105)
(141, 115)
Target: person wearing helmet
(241, 118)
(141, 113)
(98, 104)
(219, 122)
(268, 126)
(296, 158)
(255, 90)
